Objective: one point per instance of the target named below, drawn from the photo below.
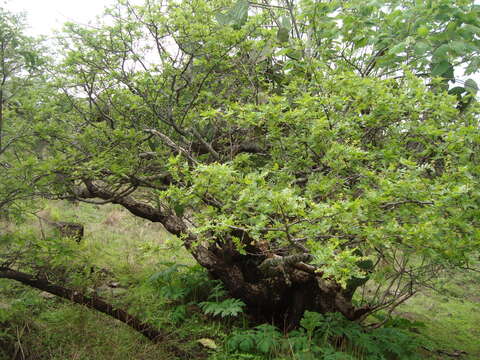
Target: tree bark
(280, 295)
(95, 303)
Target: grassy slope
(452, 317)
(133, 249)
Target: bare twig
(394, 204)
(170, 143)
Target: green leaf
(247, 344)
(473, 66)
(471, 86)
(237, 15)
(398, 48)
(311, 320)
(179, 209)
(228, 307)
(286, 23)
(441, 68)
(421, 48)
(440, 54)
(471, 29)
(283, 35)
(422, 31)
(294, 54)
(239, 12)
(458, 47)
(223, 19)
(365, 265)
(265, 344)
(457, 90)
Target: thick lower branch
(171, 222)
(91, 302)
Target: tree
(302, 160)
(23, 91)
(19, 64)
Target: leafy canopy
(280, 129)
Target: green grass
(129, 251)
(451, 316)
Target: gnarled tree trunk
(279, 292)
(275, 288)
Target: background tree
(19, 64)
(297, 156)
(23, 91)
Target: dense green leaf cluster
(269, 130)
(327, 336)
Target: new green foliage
(327, 336)
(259, 133)
(225, 308)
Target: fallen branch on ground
(93, 302)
